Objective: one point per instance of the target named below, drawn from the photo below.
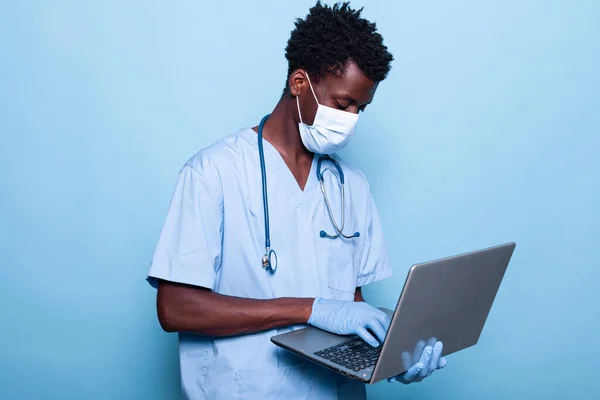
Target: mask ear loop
(299, 113)
(314, 95)
(311, 88)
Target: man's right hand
(350, 317)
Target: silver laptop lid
(448, 300)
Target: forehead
(352, 84)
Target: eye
(341, 106)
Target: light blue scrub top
(214, 237)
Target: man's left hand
(423, 362)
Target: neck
(281, 130)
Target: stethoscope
(269, 259)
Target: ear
(296, 82)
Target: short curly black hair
(329, 37)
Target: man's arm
(185, 308)
(358, 295)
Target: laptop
(447, 299)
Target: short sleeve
(189, 246)
(375, 262)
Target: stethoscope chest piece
(269, 261)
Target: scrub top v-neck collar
(273, 157)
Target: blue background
(487, 130)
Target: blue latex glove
(423, 362)
(350, 317)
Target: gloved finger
(434, 360)
(425, 358)
(377, 329)
(366, 336)
(443, 362)
(418, 351)
(384, 319)
(412, 372)
(406, 360)
(432, 341)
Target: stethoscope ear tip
(356, 234)
(323, 234)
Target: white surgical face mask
(331, 130)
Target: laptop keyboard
(355, 354)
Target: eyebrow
(347, 98)
(350, 100)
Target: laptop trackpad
(309, 340)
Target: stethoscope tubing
(263, 172)
(270, 253)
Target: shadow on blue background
(487, 131)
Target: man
(208, 263)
